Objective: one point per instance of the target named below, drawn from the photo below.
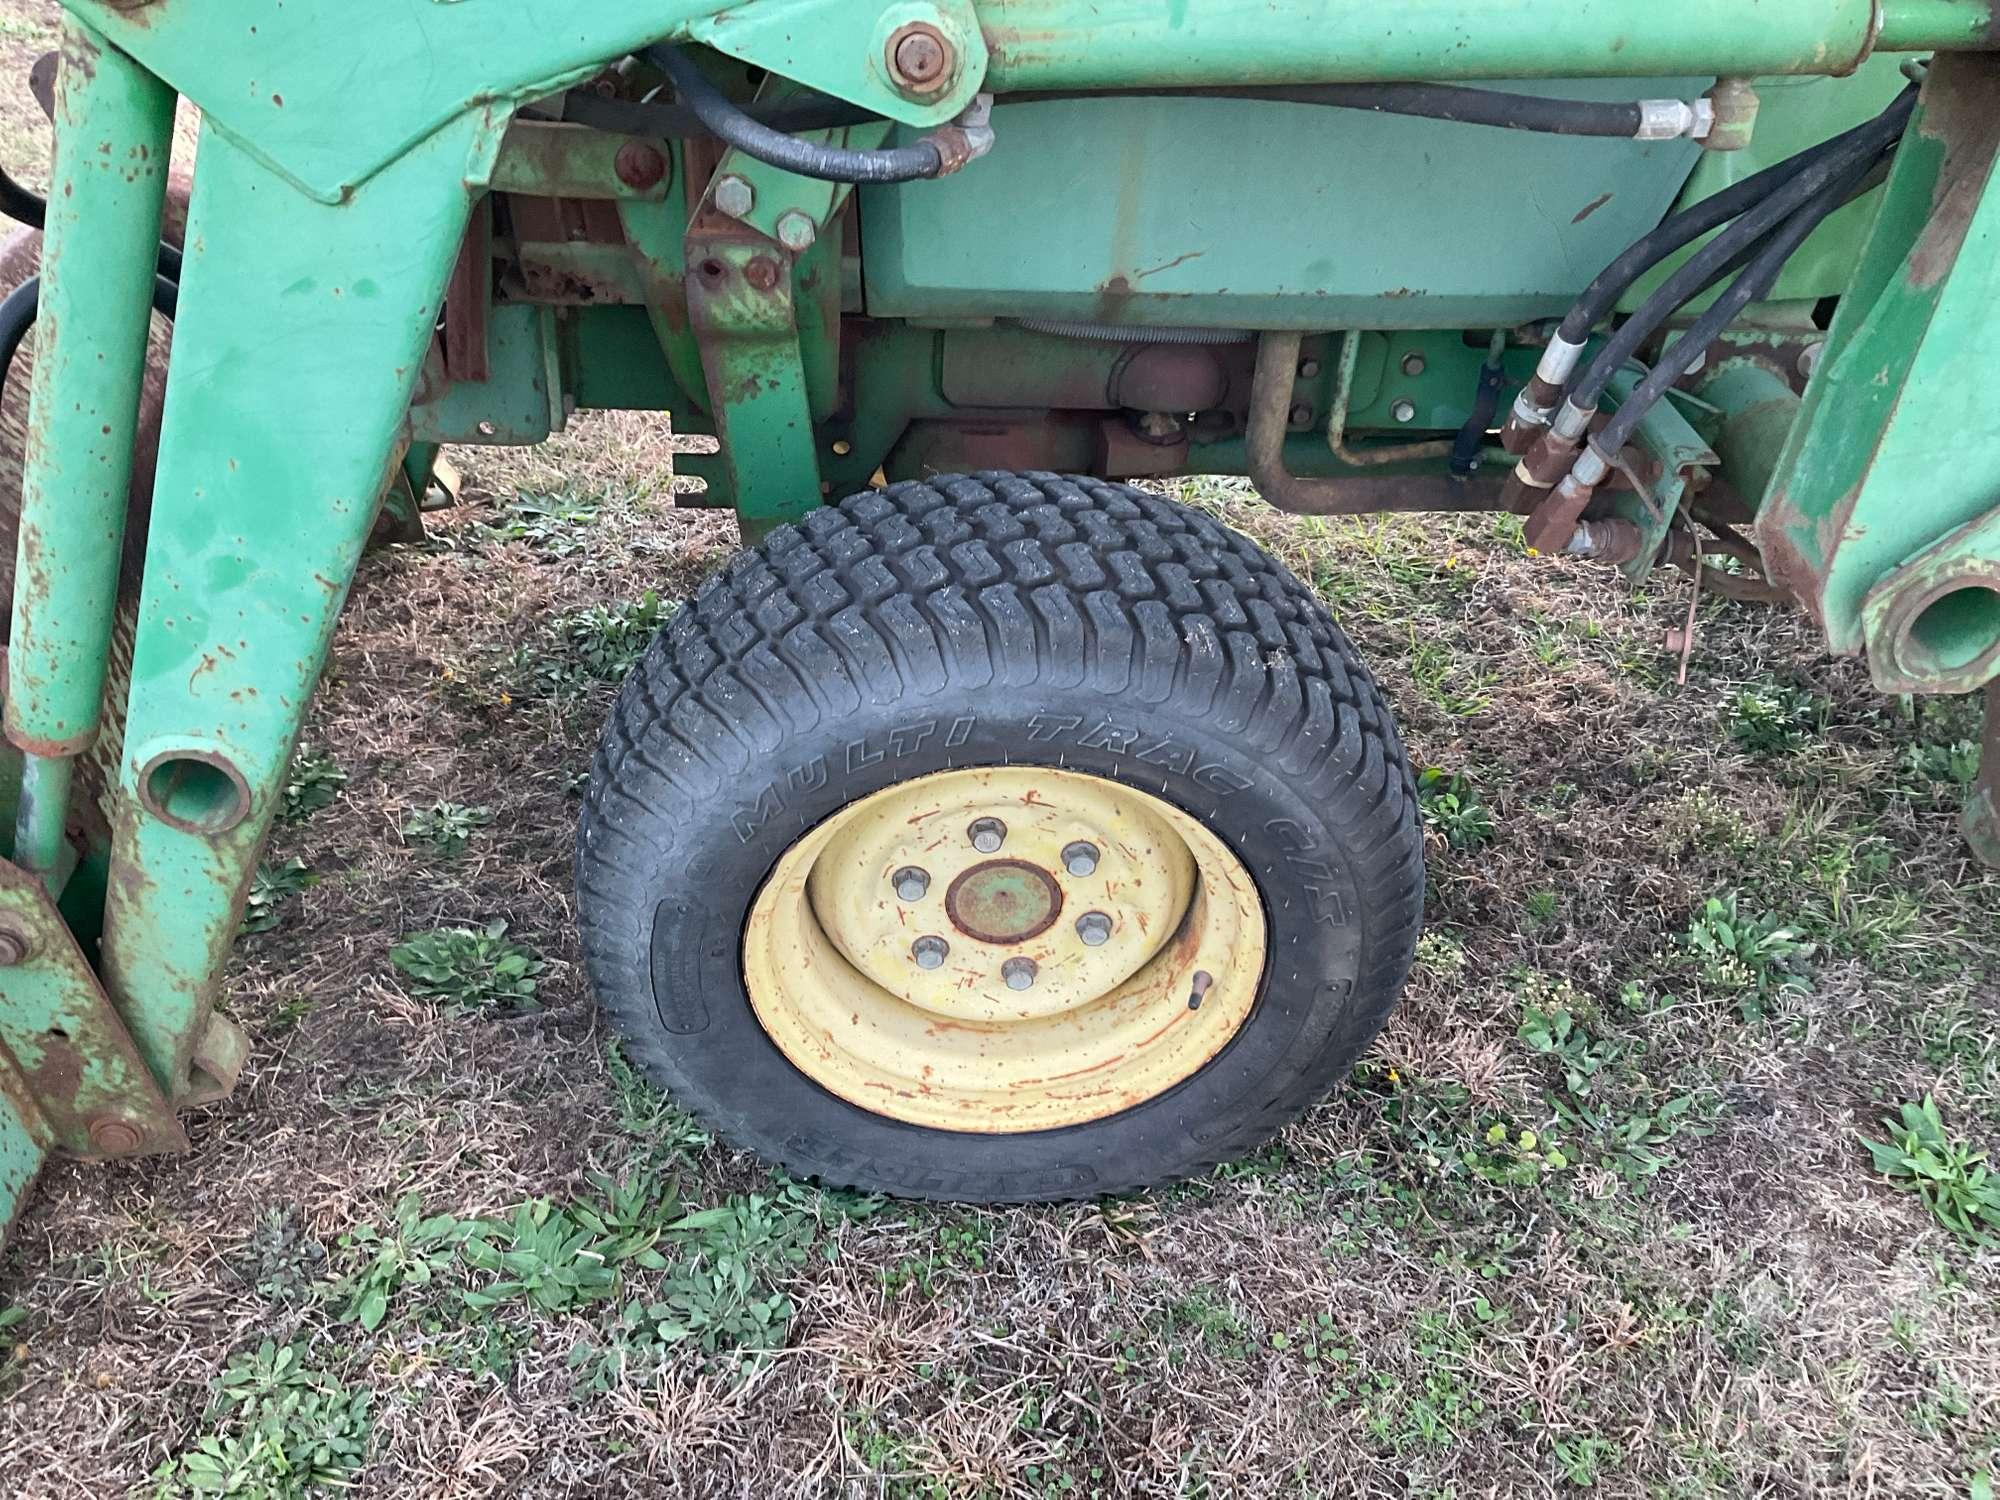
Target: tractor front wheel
(997, 838)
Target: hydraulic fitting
(1547, 460)
(1734, 104)
(1554, 522)
(1536, 406)
(1670, 119)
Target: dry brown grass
(1353, 1313)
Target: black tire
(984, 620)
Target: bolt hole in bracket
(1933, 624)
(198, 791)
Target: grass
(1594, 1216)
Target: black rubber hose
(22, 204)
(1689, 225)
(24, 304)
(17, 316)
(773, 147)
(1755, 282)
(1836, 168)
(1584, 117)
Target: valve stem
(1202, 981)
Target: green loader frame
(1149, 251)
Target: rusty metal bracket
(84, 1079)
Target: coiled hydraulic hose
(774, 148)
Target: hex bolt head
(911, 883)
(796, 231)
(762, 273)
(1302, 415)
(15, 947)
(1404, 410)
(734, 196)
(1019, 973)
(115, 1137)
(1094, 927)
(1308, 369)
(919, 59)
(1080, 859)
(1414, 363)
(987, 835)
(929, 952)
(640, 166)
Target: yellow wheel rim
(1004, 949)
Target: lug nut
(734, 196)
(929, 952)
(1094, 927)
(911, 883)
(1019, 973)
(1080, 859)
(987, 835)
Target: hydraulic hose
(22, 204)
(774, 148)
(1834, 169)
(1755, 282)
(24, 303)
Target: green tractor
(992, 828)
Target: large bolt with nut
(733, 195)
(115, 1137)
(640, 166)
(919, 59)
(15, 946)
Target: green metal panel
(515, 405)
(1195, 211)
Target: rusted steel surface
(467, 298)
(1004, 901)
(67, 1041)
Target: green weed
(606, 641)
(416, 1249)
(1776, 719)
(312, 783)
(551, 524)
(1751, 957)
(1451, 806)
(467, 970)
(279, 1429)
(1950, 1177)
(270, 888)
(446, 826)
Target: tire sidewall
(688, 935)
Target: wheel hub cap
(909, 971)
(1004, 901)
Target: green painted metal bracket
(85, 1080)
(835, 47)
(516, 405)
(1906, 380)
(272, 466)
(740, 304)
(1679, 452)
